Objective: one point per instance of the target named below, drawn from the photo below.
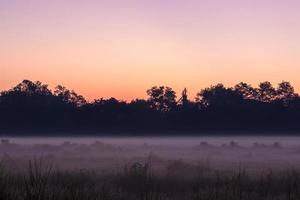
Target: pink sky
(122, 48)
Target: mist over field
(112, 154)
(150, 168)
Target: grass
(138, 181)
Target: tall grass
(138, 181)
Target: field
(149, 172)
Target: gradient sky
(122, 48)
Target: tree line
(32, 106)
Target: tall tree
(246, 90)
(285, 91)
(266, 92)
(32, 88)
(183, 100)
(218, 96)
(162, 98)
(69, 96)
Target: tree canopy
(32, 106)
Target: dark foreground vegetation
(32, 106)
(138, 182)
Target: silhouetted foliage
(266, 92)
(218, 96)
(246, 90)
(162, 98)
(32, 106)
(184, 98)
(68, 96)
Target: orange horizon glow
(122, 48)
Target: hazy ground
(113, 153)
(160, 168)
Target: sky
(121, 48)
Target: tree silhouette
(285, 91)
(30, 88)
(266, 92)
(183, 100)
(69, 96)
(246, 90)
(161, 98)
(218, 95)
(32, 106)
